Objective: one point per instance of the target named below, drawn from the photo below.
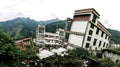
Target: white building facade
(96, 36)
(40, 35)
(48, 38)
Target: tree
(8, 49)
(10, 54)
(27, 54)
(78, 52)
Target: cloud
(48, 9)
(106, 21)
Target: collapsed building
(86, 31)
(48, 38)
(52, 43)
(24, 43)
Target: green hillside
(24, 27)
(19, 27)
(53, 26)
(115, 35)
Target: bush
(79, 52)
(106, 62)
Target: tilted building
(94, 35)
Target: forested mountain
(19, 27)
(23, 27)
(53, 26)
(115, 35)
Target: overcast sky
(50, 9)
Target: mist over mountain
(24, 27)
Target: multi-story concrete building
(51, 38)
(47, 38)
(94, 35)
(40, 35)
